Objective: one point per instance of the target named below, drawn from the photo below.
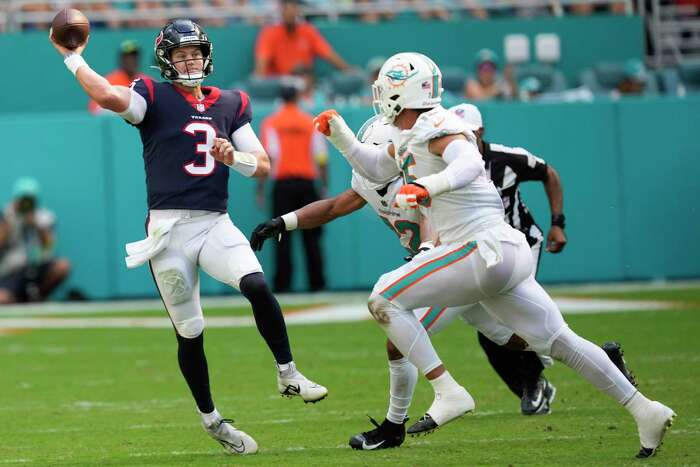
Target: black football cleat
(537, 398)
(425, 424)
(615, 354)
(384, 436)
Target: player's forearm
(464, 165)
(554, 191)
(316, 214)
(262, 169)
(114, 98)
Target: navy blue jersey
(177, 133)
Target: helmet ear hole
(394, 97)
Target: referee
(508, 167)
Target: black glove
(272, 228)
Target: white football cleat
(231, 438)
(291, 382)
(445, 408)
(652, 427)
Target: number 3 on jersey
(195, 168)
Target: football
(70, 28)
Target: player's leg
(283, 248)
(531, 313)
(391, 433)
(51, 275)
(312, 242)
(226, 256)
(178, 284)
(446, 275)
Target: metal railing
(17, 15)
(674, 32)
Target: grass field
(115, 397)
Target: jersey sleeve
(525, 165)
(437, 123)
(244, 112)
(144, 88)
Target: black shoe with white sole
(384, 436)
(537, 398)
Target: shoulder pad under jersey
(436, 123)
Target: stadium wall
(628, 168)
(584, 42)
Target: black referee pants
(288, 195)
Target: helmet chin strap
(189, 82)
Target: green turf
(115, 397)
(686, 295)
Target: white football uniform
(405, 223)
(480, 259)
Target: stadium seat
(689, 74)
(347, 84)
(551, 79)
(516, 48)
(547, 48)
(263, 89)
(604, 77)
(453, 80)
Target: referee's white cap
(469, 114)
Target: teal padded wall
(629, 171)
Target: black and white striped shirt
(508, 167)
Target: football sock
(210, 418)
(591, 362)
(406, 332)
(402, 382)
(444, 383)
(268, 315)
(516, 368)
(193, 365)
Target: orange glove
(410, 196)
(321, 121)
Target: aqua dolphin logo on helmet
(406, 81)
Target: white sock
(403, 376)
(287, 369)
(444, 383)
(637, 405)
(407, 333)
(211, 418)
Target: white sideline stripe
(327, 314)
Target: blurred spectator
(488, 83)
(581, 9)
(28, 270)
(475, 9)
(376, 14)
(284, 46)
(129, 64)
(142, 7)
(430, 9)
(104, 7)
(529, 89)
(37, 7)
(299, 155)
(634, 81)
(310, 97)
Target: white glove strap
(290, 220)
(244, 163)
(74, 61)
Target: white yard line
(317, 315)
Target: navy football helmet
(182, 33)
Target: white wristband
(74, 61)
(290, 220)
(244, 163)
